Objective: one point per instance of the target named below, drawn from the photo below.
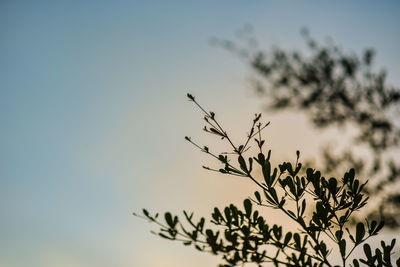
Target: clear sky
(93, 114)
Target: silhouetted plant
(242, 236)
(334, 88)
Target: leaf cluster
(242, 236)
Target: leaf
(269, 153)
(332, 185)
(372, 227)
(380, 226)
(250, 165)
(339, 234)
(191, 97)
(392, 243)
(360, 232)
(228, 216)
(273, 176)
(290, 212)
(273, 194)
(214, 131)
(146, 213)
(297, 241)
(247, 206)
(258, 196)
(165, 236)
(303, 207)
(367, 251)
(355, 186)
(309, 173)
(223, 159)
(255, 216)
(283, 201)
(269, 199)
(168, 219)
(342, 246)
(291, 186)
(298, 168)
(378, 255)
(277, 231)
(349, 176)
(287, 238)
(290, 169)
(209, 233)
(229, 169)
(266, 170)
(242, 164)
(261, 158)
(301, 222)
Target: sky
(93, 112)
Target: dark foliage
(334, 88)
(241, 236)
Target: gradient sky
(93, 114)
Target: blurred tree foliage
(243, 236)
(334, 89)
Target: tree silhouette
(242, 236)
(334, 88)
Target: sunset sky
(93, 114)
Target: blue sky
(93, 114)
